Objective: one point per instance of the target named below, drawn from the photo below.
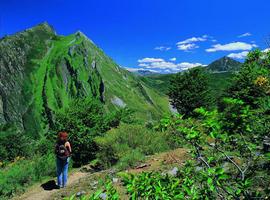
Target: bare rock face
(118, 102)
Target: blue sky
(160, 35)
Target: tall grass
(22, 173)
(128, 144)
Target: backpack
(61, 151)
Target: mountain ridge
(42, 72)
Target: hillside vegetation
(42, 72)
(122, 133)
(218, 82)
(228, 145)
(50, 83)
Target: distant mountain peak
(224, 64)
(145, 72)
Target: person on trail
(62, 152)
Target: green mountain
(224, 64)
(42, 72)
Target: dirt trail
(38, 193)
(79, 180)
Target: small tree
(252, 83)
(84, 120)
(190, 90)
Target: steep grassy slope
(42, 72)
(18, 54)
(158, 81)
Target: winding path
(38, 193)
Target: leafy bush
(229, 158)
(128, 144)
(84, 120)
(252, 82)
(21, 173)
(190, 90)
(153, 185)
(13, 143)
(228, 146)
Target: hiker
(63, 152)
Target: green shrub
(153, 185)
(229, 160)
(84, 120)
(22, 173)
(129, 143)
(130, 159)
(253, 81)
(190, 90)
(13, 143)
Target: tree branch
(235, 164)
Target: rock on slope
(41, 72)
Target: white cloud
(132, 69)
(150, 60)
(245, 35)
(266, 50)
(193, 39)
(163, 66)
(162, 48)
(240, 55)
(190, 43)
(234, 46)
(138, 69)
(187, 65)
(187, 47)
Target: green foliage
(128, 144)
(13, 143)
(84, 120)
(190, 90)
(189, 183)
(252, 82)
(153, 186)
(229, 158)
(218, 83)
(160, 82)
(15, 177)
(109, 191)
(227, 152)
